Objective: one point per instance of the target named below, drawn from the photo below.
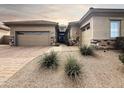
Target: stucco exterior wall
(101, 26)
(2, 33)
(122, 26)
(74, 32)
(87, 35)
(33, 28)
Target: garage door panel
(34, 40)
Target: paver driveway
(14, 58)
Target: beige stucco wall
(51, 29)
(122, 27)
(101, 27)
(74, 32)
(87, 35)
(2, 33)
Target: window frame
(85, 27)
(119, 28)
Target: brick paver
(13, 59)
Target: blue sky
(62, 13)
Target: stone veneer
(103, 44)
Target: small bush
(50, 60)
(57, 44)
(72, 69)
(119, 44)
(121, 58)
(86, 51)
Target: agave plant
(121, 58)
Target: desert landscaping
(102, 70)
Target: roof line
(92, 10)
(26, 22)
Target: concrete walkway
(64, 48)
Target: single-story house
(101, 26)
(4, 34)
(33, 32)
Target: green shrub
(119, 44)
(85, 50)
(50, 60)
(57, 44)
(72, 69)
(121, 58)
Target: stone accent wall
(4, 39)
(103, 44)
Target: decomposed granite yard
(102, 70)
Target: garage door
(33, 38)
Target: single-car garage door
(33, 38)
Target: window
(86, 27)
(115, 29)
(83, 29)
(32, 33)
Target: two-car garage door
(27, 38)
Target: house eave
(27, 23)
(101, 12)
